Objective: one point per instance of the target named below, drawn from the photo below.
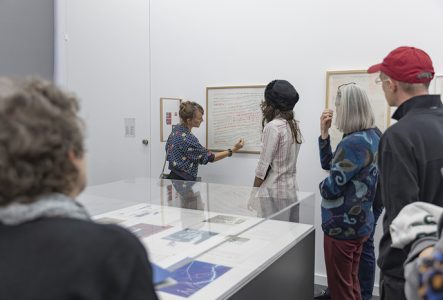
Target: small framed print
(169, 115)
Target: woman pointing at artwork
(184, 151)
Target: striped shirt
(279, 152)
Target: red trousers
(342, 258)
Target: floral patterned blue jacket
(349, 190)
(184, 152)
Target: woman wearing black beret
(281, 138)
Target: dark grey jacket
(61, 259)
(410, 158)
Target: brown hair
(38, 127)
(188, 109)
(270, 112)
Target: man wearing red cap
(410, 153)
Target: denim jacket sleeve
(325, 152)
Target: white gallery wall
(194, 44)
(27, 38)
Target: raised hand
(326, 122)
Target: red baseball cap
(406, 64)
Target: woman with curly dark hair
(281, 138)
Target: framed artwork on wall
(232, 113)
(374, 91)
(438, 85)
(169, 109)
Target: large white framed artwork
(169, 115)
(233, 112)
(438, 85)
(375, 93)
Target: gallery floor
(318, 288)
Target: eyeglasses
(339, 91)
(344, 85)
(378, 80)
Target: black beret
(281, 94)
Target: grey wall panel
(27, 38)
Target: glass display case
(215, 241)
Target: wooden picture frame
(233, 112)
(438, 85)
(169, 115)
(363, 79)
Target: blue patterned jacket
(349, 190)
(185, 153)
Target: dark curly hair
(38, 127)
(270, 112)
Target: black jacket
(60, 259)
(410, 159)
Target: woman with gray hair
(49, 246)
(349, 190)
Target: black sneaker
(324, 294)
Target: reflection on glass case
(214, 239)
